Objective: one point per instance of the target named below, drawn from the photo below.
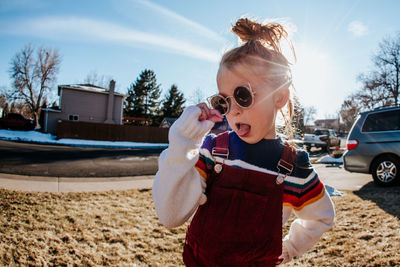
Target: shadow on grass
(387, 198)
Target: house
(85, 103)
(328, 124)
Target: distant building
(86, 103)
(328, 124)
(309, 129)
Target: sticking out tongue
(243, 129)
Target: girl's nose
(235, 109)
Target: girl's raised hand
(209, 114)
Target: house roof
(87, 88)
(327, 121)
(51, 110)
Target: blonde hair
(261, 44)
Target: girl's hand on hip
(209, 114)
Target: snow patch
(43, 138)
(332, 191)
(330, 160)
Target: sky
(183, 41)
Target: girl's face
(257, 122)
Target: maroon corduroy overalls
(241, 222)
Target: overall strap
(221, 148)
(286, 163)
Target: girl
(243, 184)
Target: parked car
(322, 138)
(374, 145)
(15, 121)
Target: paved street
(66, 161)
(63, 161)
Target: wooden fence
(111, 132)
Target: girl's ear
(281, 98)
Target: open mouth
(243, 129)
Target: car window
(321, 132)
(382, 121)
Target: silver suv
(373, 145)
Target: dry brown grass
(121, 228)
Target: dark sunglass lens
(243, 96)
(219, 103)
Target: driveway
(341, 179)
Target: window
(382, 121)
(73, 117)
(321, 132)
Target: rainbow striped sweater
(301, 188)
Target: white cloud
(77, 28)
(179, 18)
(357, 28)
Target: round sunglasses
(243, 96)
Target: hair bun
(269, 34)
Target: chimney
(110, 103)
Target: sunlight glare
(311, 75)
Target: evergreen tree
(173, 103)
(133, 106)
(143, 95)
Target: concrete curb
(72, 184)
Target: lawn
(120, 228)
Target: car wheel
(386, 170)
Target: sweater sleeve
(314, 210)
(178, 188)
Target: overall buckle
(287, 167)
(220, 152)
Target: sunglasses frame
(225, 98)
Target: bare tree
(94, 78)
(33, 76)
(197, 97)
(3, 97)
(349, 111)
(309, 114)
(381, 86)
(372, 93)
(298, 116)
